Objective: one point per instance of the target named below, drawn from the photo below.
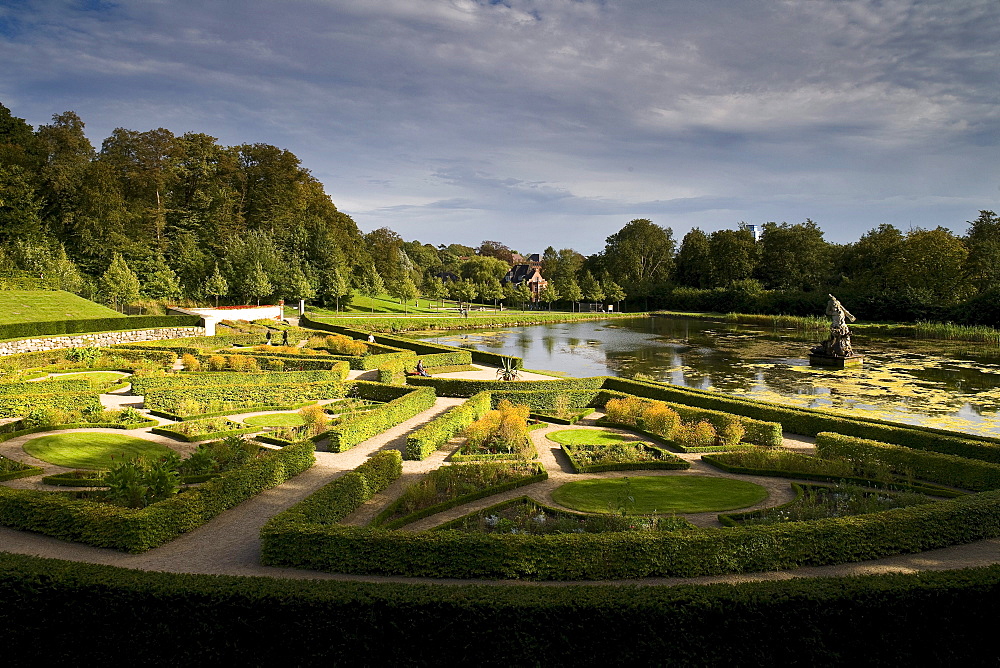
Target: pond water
(950, 385)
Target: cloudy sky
(553, 122)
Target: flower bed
(524, 515)
(455, 484)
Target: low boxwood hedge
(11, 469)
(737, 519)
(422, 442)
(129, 530)
(207, 436)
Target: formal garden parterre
(867, 467)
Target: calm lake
(951, 385)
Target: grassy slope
(386, 304)
(46, 305)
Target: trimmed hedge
(219, 378)
(45, 387)
(130, 530)
(241, 398)
(20, 405)
(27, 330)
(424, 441)
(339, 498)
(407, 403)
(719, 462)
(612, 556)
(931, 618)
(935, 467)
(545, 399)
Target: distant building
(447, 277)
(527, 270)
(754, 230)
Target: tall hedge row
(931, 618)
(24, 330)
(131, 530)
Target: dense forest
(152, 217)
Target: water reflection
(943, 384)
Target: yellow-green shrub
(660, 419)
(190, 362)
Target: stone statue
(839, 343)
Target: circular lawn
(659, 494)
(275, 420)
(89, 450)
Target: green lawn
(660, 494)
(275, 420)
(46, 305)
(83, 450)
(588, 437)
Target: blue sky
(553, 122)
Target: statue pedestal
(835, 362)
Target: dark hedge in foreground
(934, 618)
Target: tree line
(164, 217)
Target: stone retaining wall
(101, 339)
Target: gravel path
(229, 544)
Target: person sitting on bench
(421, 371)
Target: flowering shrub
(504, 430)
